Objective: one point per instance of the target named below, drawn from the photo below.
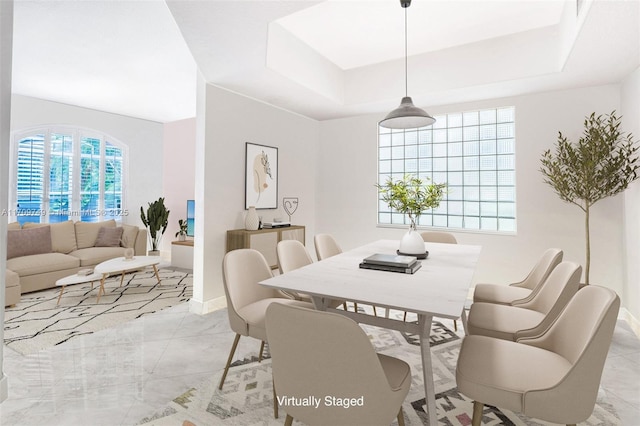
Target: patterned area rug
(247, 398)
(37, 323)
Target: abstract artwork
(261, 176)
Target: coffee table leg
(59, 297)
(121, 278)
(101, 289)
(155, 269)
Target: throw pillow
(129, 236)
(63, 235)
(13, 225)
(87, 232)
(25, 242)
(109, 237)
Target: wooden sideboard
(264, 240)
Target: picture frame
(261, 176)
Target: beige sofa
(40, 254)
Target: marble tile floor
(120, 375)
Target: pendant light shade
(407, 115)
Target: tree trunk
(588, 240)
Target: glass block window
(473, 153)
(63, 174)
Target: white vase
(412, 243)
(251, 220)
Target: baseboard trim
(207, 306)
(631, 320)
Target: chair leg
(226, 368)
(455, 325)
(355, 307)
(288, 421)
(275, 399)
(477, 413)
(375, 313)
(400, 418)
(344, 305)
(261, 351)
(404, 318)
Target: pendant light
(406, 116)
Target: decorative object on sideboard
(155, 220)
(407, 115)
(602, 163)
(251, 219)
(261, 176)
(411, 196)
(182, 230)
(290, 205)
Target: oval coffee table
(122, 265)
(76, 279)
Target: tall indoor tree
(602, 163)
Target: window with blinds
(473, 153)
(68, 174)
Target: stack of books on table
(391, 263)
(270, 225)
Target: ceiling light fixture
(406, 116)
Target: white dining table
(439, 288)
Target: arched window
(62, 173)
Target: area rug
(247, 398)
(37, 323)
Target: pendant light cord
(406, 78)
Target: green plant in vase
(602, 163)
(155, 220)
(411, 196)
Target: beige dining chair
(292, 254)
(530, 318)
(554, 376)
(524, 290)
(247, 300)
(438, 237)
(327, 246)
(305, 363)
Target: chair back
(322, 354)
(292, 254)
(439, 237)
(561, 285)
(242, 269)
(549, 260)
(326, 246)
(582, 335)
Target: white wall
(6, 46)
(143, 137)
(347, 197)
(631, 123)
(178, 180)
(230, 121)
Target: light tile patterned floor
(120, 375)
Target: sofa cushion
(42, 263)
(13, 226)
(63, 235)
(129, 235)
(109, 237)
(25, 242)
(87, 232)
(93, 255)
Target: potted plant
(602, 163)
(155, 220)
(182, 230)
(411, 196)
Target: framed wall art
(261, 176)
